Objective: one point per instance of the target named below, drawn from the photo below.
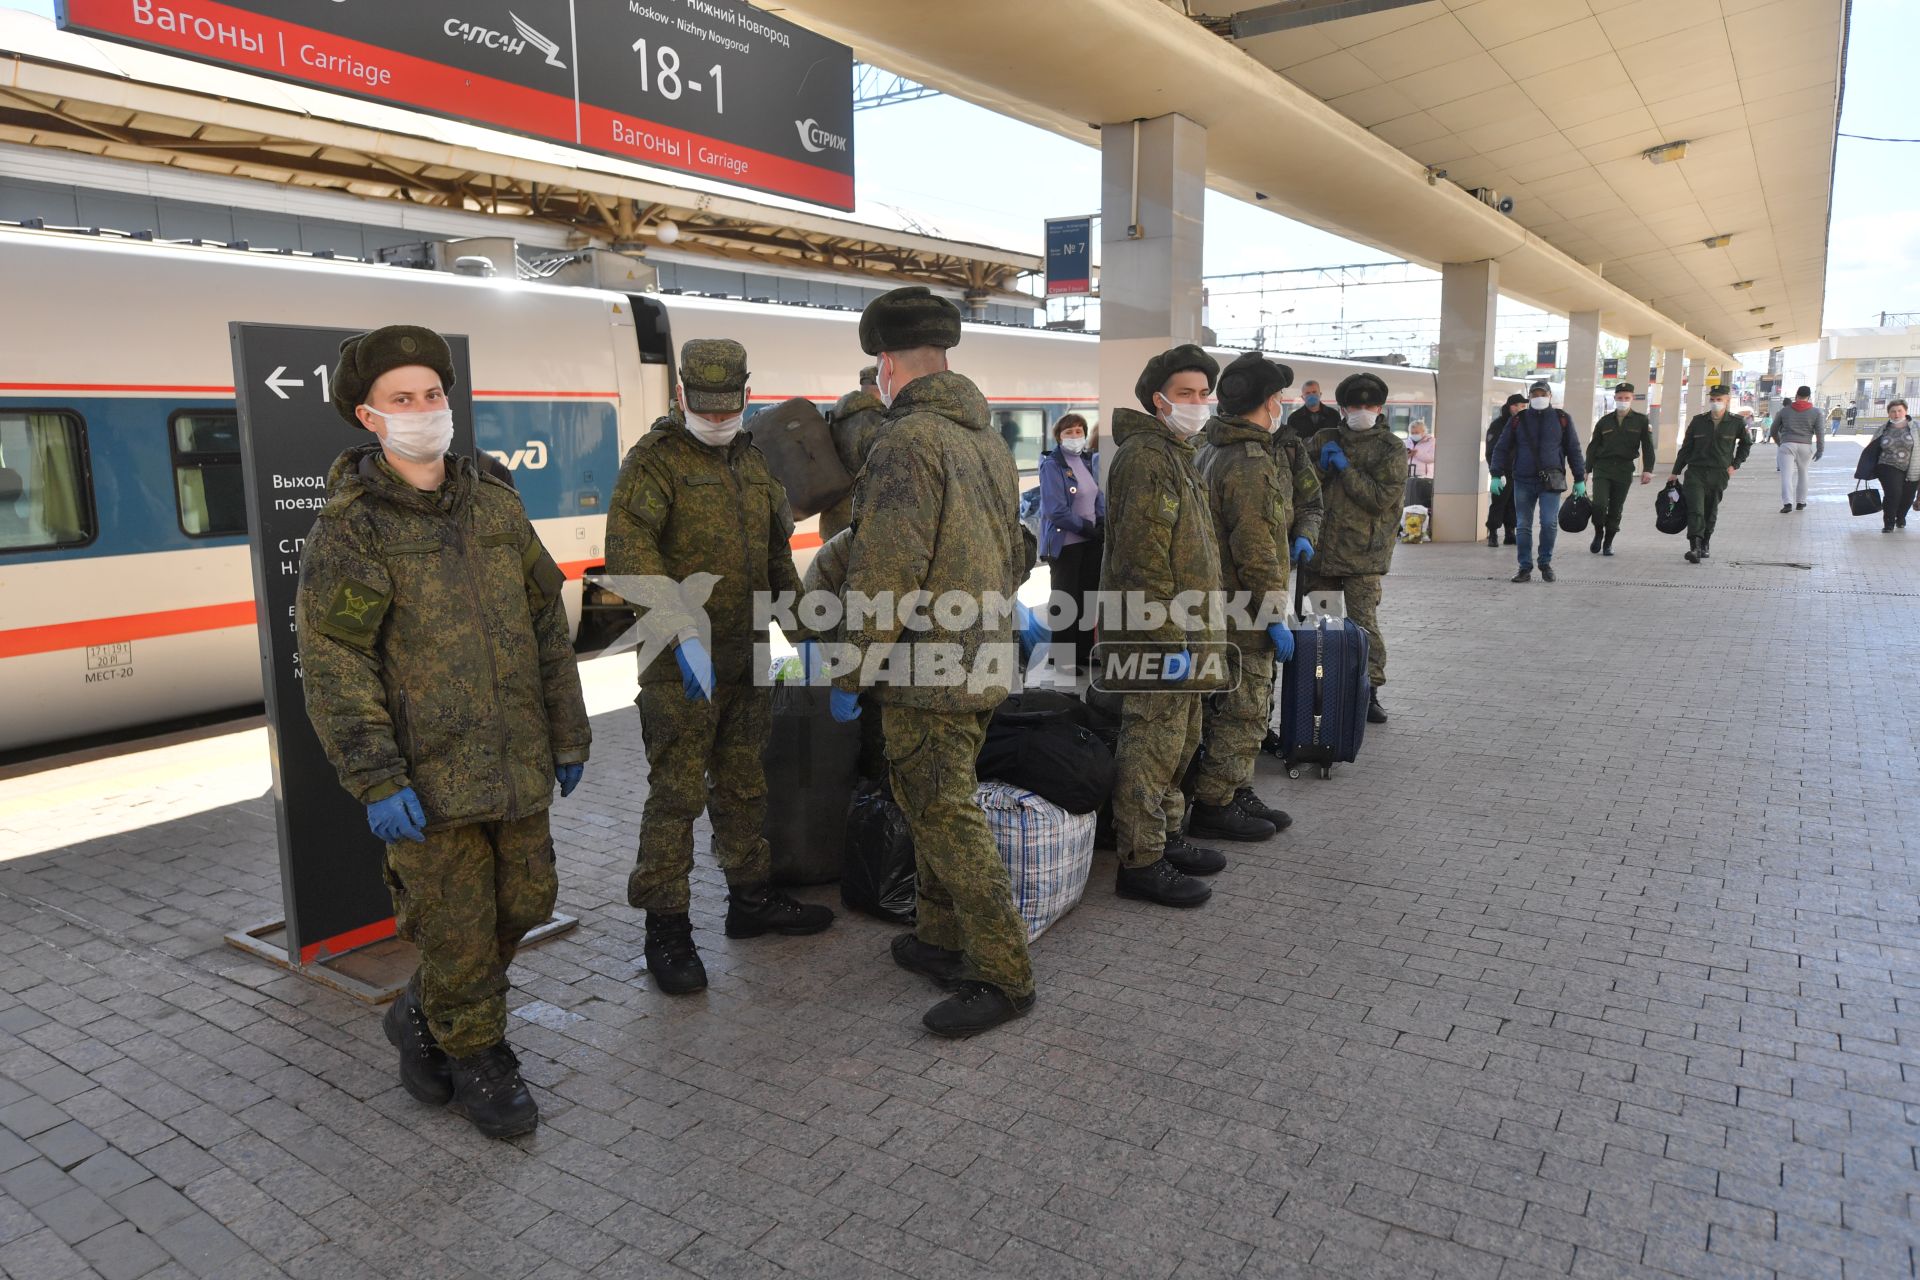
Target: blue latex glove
(1029, 630)
(1579, 488)
(1302, 551)
(810, 662)
(696, 669)
(844, 706)
(1282, 637)
(1332, 456)
(1495, 485)
(568, 776)
(1178, 665)
(398, 817)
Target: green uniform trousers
(1362, 594)
(1610, 490)
(1159, 732)
(1704, 486)
(701, 755)
(1237, 725)
(465, 897)
(965, 894)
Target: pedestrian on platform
(440, 679)
(1162, 547)
(1362, 485)
(854, 421)
(1500, 505)
(1712, 450)
(935, 517)
(1420, 465)
(1314, 415)
(1533, 456)
(1899, 469)
(1073, 513)
(1619, 438)
(1799, 436)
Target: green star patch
(354, 613)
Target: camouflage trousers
(1362, 594)
(1159, 732)
(1236, 725)
(965, 895)
(465, 897)
(701, 756)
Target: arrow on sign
(275, 381)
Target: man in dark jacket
(1715, 445)
(1619, 438)
(1314, 415)
(1500, 509)
(1533, 455)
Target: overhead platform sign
(709, 87)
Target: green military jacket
(1617, 441)
(1361, 521)
(855, 422)
(1264, 494)
(433, 644)
(936, 510)
(1160, 544)
(1714, 445)
(700, 514)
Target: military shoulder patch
(1166, 509)
(1255, 449)
(354, 613)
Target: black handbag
(1865, 502)
(1576, 514)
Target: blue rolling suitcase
(1323, 690)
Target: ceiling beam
(1287, 15)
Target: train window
(45, 496)
(1025, 432)
(206, 473)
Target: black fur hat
(1163, 366)
(1250, 381)
(902, 319)
(1358, 389)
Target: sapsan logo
(665, 608)
(816, 139)
(540, 42)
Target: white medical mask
(714, 431)
(1718, 407)
(1074, 444)
(1624, 406)
(880, 387)
(1361, 419)
(1540, 402)
(1187, 419)
(417, 437)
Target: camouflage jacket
(856, 422)
(1361, 520)
(433, 644)
(710, 519)
(936, 509)
(1264, 494)
(1160, 540)
(1714, 446)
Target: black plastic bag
(1670, 509)
(877, 876)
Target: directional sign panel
(711, 87)
(330, 864)
(1069, 256)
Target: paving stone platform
(1602, 963)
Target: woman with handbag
(1899, 468)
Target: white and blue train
(126, 595)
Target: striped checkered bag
(1048, 851)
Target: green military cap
(1359, 389)
(364, 357)
(1163, 366)
(1251, 380)
(713, 373)
(1627, 387)
(902, 319)
(1721, 390)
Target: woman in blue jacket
(1073, 515)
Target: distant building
(1868, 367)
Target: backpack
(1670, 509)
(1045, 743)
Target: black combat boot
(1254, 807)
(1508, 540)
(488, 1090)
(1226, 822)
(1706, 546)
(761, 908)
(1493, 539)
(1193, 859)
(975, 1007)
(1693, 551)
(423, 1065)
(1162, 882)
(671, 957)
(1376, 714)
(1606, 548)
(946, 968)
(1599, 537)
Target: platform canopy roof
(67, 91)
(1341, 113)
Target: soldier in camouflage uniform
(1161, 546)
(440, 680)
(1265, 497)
(855, 421)
(695, 504)
(936, 510)
(1363, 481)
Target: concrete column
(1153, 187)
(1469, 299)
(1673, 406)
(1639, 360)
(1696, 389)
(1583, 369)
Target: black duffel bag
(1576, 514)
(877, 876)
(1046, 743)
(798, 447)
(812, 762)
(1670, 509)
